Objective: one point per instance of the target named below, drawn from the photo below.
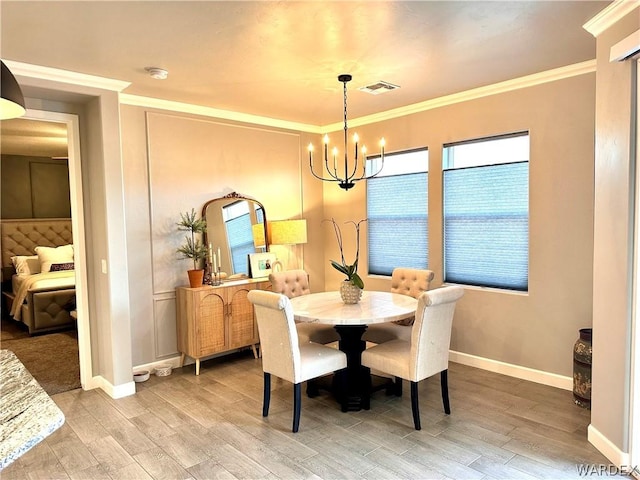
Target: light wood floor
(183, 426)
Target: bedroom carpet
(51, 358)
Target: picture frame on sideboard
(261, 264)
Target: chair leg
(394, 387)
(266, 399)
(297, 400)
(398, 387)
(414, 405)
(444, 386)
(312, 388)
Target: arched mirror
(236, 227)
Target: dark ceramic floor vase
(582, 369)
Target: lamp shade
(12, 102)
(287, 232)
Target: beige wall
(613, 236)
(538, 329)
(34, 187)
(106, 240)
(176, 162)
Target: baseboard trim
(114, 391)
(175, 361)
(517, 371)
(150, 367)
(616, 456)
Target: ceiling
(281, 59)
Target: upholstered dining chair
(294, 283)
(406, 281)
(427, 353)
(282, 354)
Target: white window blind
(397, 214)
(240, 242)
(239, 234)
(486, 221)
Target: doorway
(41, 120)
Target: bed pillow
(51, 255)
(26, 264)
(59, 267)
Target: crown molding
(582, 68)
(54, 74)
(65, 76)
(149, 102)
(610, 15)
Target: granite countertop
(27, 414)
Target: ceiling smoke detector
(157, 73)
(378, 88)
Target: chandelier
(351, 173)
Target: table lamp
(288, 232)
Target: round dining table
(350, 321)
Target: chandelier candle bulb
(355, 139)
(351, 175)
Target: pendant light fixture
(350, 171)
(12, 102)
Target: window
(397, 212)
(238, 221)
(486, 212)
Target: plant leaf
(339, 267)
(190, 223)
(357, 281)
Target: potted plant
(193, 248)
(351, 287)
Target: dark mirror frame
(230, 199)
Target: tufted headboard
(21, 236)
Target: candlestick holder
(216, 278)
(206, 280)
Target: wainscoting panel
(164, 313)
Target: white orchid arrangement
(348, 269)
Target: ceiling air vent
(378, 88)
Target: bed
(38, 280)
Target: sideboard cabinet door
(217, 319)
(210, 331)
(242, 324)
